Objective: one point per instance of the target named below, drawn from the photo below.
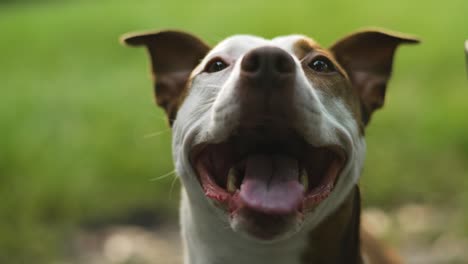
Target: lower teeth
(231, 181)
(304, 179)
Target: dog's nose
(266, 85)
(267, 63)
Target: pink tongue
(271, 184)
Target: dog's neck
(209, 240)
(336, 240)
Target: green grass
(76, 108)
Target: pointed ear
(173, 56)
(367, 57)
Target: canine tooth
(304, 179)
(231, 181)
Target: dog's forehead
(238, 45)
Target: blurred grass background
(81, 138)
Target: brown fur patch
(367, 57)
(173, 56)
(336, 239)
(303, 47)
(334, 85)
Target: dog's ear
(173, 56)
(367, 57)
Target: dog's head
(269, 133)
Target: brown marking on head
(173, 56)
(363, 61)
(367, 57)
(335, 84)
(304, 46)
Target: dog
(268, 142)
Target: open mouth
(268, 170)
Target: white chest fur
(209, 240)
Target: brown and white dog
(268, 141)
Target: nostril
(251, 62)
(284, 63)
(267, 61)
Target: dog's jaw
(210, 113)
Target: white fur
(209, 113)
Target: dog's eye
(216, 65)
(322, 64)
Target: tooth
(304, 179)
(231, 181)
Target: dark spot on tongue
(271, 184)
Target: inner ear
(173, 56)
(367, 57)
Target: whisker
(212, 86)
(155, 134)
(158, 115)
(204, 105)
(163, 176)
(172, 186)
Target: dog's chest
(207, 240)
(212, 242)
